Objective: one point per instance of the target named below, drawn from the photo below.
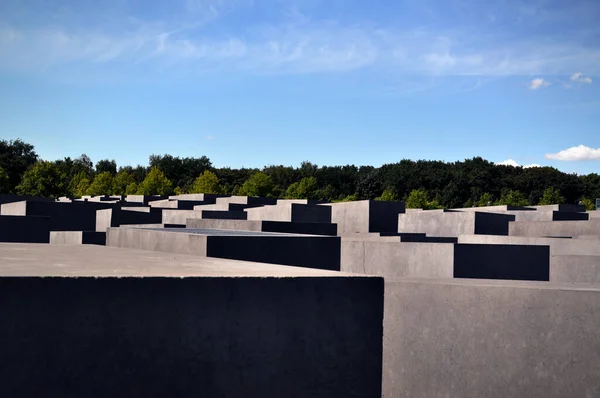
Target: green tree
(106, 165)
(178, 191)
(132, 189)
(589, 204)
(155, 183)
(259, 184)
(102, 184)
(388, 195)
(511, 197)
(42, 179)
(419, 199)
(4, 181)
(207, 182)
(552, 197)
(486, 199)
(16, 157)
(79, 184)
(121, 182)
(304, 189)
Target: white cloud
(578, 77)
(210, 137)
(514, 163)
(576, 153)
(538, 83)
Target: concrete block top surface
(230, 232)
(42, 260)
(498, 283)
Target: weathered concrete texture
(558, 246)
(575, 269)
(444, 260)
(26, 229)
(562, 208)
(178, 216)
(265, 226)
(594, 214)
(77, 238)
(365, 216)
(116, 217)
(590, 237)
(292, 212)
(76, 216)
(555, 228)
(225, 329)
(297, 250)
(453, 224)
(495, 339)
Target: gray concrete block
(143, 199)
(496, 339)
(77, 238)
(179, 216)
(201, 197)
(247, 200)
(558, 246)
(116, 217)
(178, 204)
(365, 216)
(593, 214)
(453, 224)
(273, 248)
(113, 322)
(562, 208)
(223, 215)
(25, 229)
(291, 212)
(265, 226)
(575, 268)
(555, 228)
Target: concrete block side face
(555, 228)
(161, 241)
(567, 216)
(236, 225)
(383, 216)
(487, 341)
(397, 260)
(492, 224)
(515, 262)
(309, 252)
(229, 337)
(104, 220)
(179, 216)
(24, 229)
(575, 269)
(351, 217)
(14, 209)
(300, 228)
(310, 213)
(438, 224)
(224, 215)
(66, 237)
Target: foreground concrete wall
(452, 223)
(490, 339)
(190, 336)
(575, 269)
(555, 228)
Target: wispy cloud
(210, 137)
(514, 163)
(576, 153)
(538, 83)
(290, 41)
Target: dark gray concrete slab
(154, 325)
(291, 212)
(116, 217)
(77, 238)
(223, 215)
(25, 229)
(366, 216)
(555, 228)
(496, 339)
(453, 223)
(285, 249)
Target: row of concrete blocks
(157, 324)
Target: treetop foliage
(428, 184)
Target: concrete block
(75, 216)
(496, 339)
(200, 197)
(301, 201)
(223, 215)
(562, 208)
(291, 212)
(247, 200)
(264, 226)
(111, 322)
(273, 248)
(10, 198)
(498, 209)
(77, 238)
(555, 228)
(116, 217)
(593, 214)
(178, 204)
(444, 260)
(365, 216)
(575, 268)
(453, 224)
(558, 246)
(25, 229)
(178, 216)
(143, 199)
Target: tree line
(422, 184)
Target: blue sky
(252, 83)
